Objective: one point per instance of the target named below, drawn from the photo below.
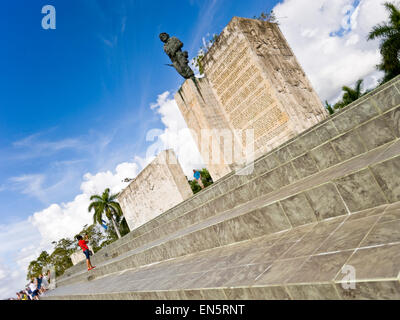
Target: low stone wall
(159, 187)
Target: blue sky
(82, 91)
(77, 102)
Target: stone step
(348, 163)
(363, 126)
(307, 262)
(253, 190)
(338, 191)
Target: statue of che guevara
(173, 48)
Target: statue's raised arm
(173, 48)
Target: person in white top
(28, 293)
(33, 287)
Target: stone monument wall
(203, 116)
(245, 95)
(159, 187)
(257, 84)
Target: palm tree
(106, 204)
(329, 108)
(350, 95)
(389, 32)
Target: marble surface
(296, 264)
(284, 232)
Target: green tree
(61, 256)
(123, 227)
(198, 60)
(267, 16)
(106, 204)
(194, 186)
(111, 234)
(350, 95)
(389, 33)
(205, 178)
(36, 267)
(329, 107)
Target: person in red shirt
(83, 244)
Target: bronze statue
(173, 48)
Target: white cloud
(39, 186)
(2, 273)
(16, 236)
(176, 135)
(333, 61)
(67, 219)
(21, 241)
(31, 184)
(95, 184)
(8, 276)
(38, 147)
(59, 221)
(143, 162)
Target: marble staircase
(321, 207)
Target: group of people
(36, 287)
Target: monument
(317, 220)
(159, 187)
(206, 121)
(253, 83)
(173, 48)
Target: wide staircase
(317, 218)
